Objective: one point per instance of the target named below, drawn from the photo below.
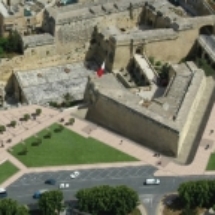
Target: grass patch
(211, 162)
(7, 169)
(202, 63)
(65, 147)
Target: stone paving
(166, 167)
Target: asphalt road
(134, 177)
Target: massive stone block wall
(173, 50)
(39, 52)
(133, 125)
(76, 34)
(199, 93)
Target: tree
(11, 207)
(8, 206)
(125, 200)
(26, 117)
(197, 193)
(14, 43)
(38, 111)
(2, 128)
(13, 123)
(119, 200)
(71, 121)
(22, 210)
(51, 202)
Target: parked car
(152, 181)
(38, 194)
(75, 174)
(3, 193)
(50, 181)
(63, 185)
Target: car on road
(75, 174)
(38, 194)
(3, 193)
(152, 181)
(50, 181)
(63, 185)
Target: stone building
(163, 122)
(38, 46)
(44, 85)
(20, 15)
(73, 25)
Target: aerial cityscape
(107, 107)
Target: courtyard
(65, 147)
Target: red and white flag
(101, 70)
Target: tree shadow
(22, 153)
(34, 143)
(173, 202)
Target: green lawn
(211, 162)
(7, 169)
(67, 147)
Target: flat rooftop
(37, 40)
(144, 36)
(41, 86)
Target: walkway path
(85, 128)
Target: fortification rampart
(192, 100)
(124, 120)
(74, 31)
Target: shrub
(26, 117)
(71, 121)
(13, 123)
(48, 135)
(38, 111)
(152, 60)
(24, 150)
(2, 128)
(158, 63)
(35, 143)
(58, 129)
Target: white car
(63, 185)
(75, 174)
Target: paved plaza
(159, 166)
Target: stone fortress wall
(140, 124)
(131, 124)
(72, 35)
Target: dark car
(50, 181)
(38, 194)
